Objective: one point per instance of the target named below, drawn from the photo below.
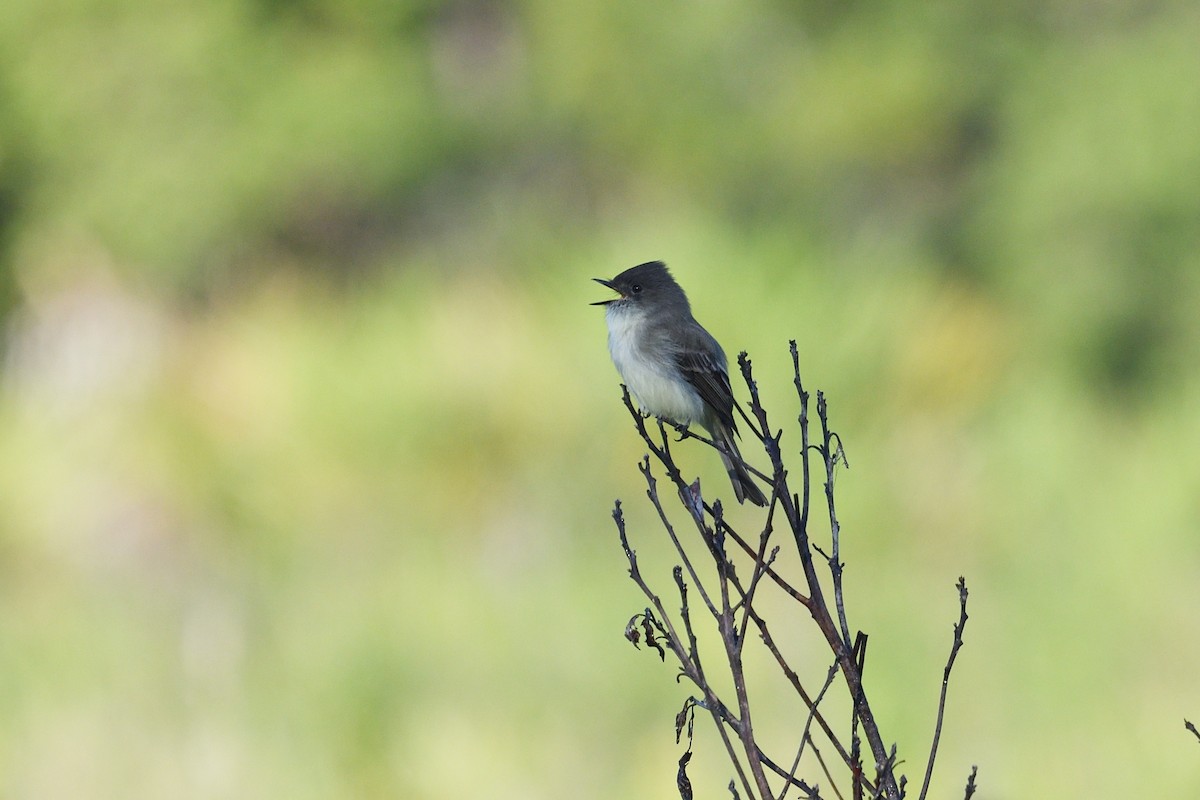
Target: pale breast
(655, 383)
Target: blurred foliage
(309, 437)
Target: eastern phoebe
(674, 367)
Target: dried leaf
(651, 638)
(681, 779)
(631, 631)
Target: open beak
(609, 284)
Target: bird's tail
(744, 486)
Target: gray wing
(703, 366)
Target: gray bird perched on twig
(671, 364)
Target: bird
(672, 366)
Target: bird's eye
(636, 288)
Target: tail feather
(744, 487)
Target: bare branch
(970, 790)
(954, 648)
(806, 738)
(687, 433)
(652, 493)
(731, 601)
(825, 768)
(831, 456)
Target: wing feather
(709, 378)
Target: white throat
(648, 368)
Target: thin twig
(690, 669)
(805, 737)
(775, 577)
(888, 767)
(825, 768)
(687, 433)
(970, 790)
(835, 560)
(794, 680)
(803, 420)
(714, 705)
(860, 662)
(722, 712)
(761, 563)
(652, 493)
(954, 648)
(817, 606)
(733, 653)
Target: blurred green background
(309, 438)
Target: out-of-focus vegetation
(308, 438)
